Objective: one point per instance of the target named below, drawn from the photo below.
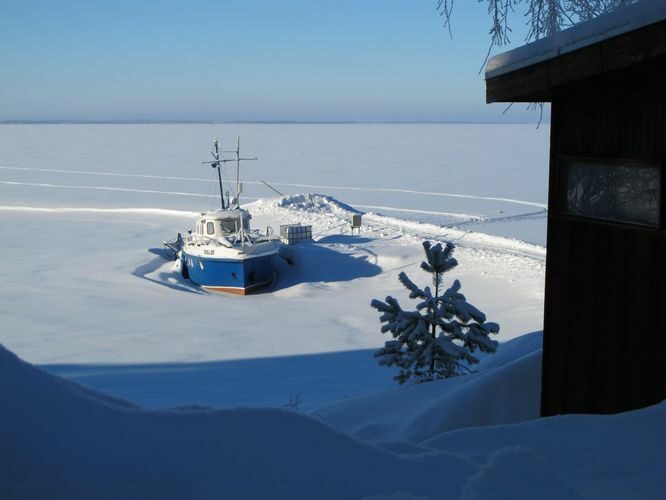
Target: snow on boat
(223, 254)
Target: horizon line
(264, 122)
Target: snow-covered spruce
(417, 348)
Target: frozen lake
(87, 206)
(490, 178)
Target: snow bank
(598, 456)
(315, 203)
(505, 389)
(58, 440)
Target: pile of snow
(315, 203)
(505, 389)
(59, 440)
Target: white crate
(293, 233)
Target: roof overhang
(531, 73)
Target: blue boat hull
(239, 276)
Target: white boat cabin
(220, 223)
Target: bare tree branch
(544, 17)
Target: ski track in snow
(309, 186)
(375, 221)
(472, 218)
(462, 218)
(461, 238)
(147, 211)
(107, 188)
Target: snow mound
(506, 389)
(316, 203)
(58, 440)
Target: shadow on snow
(312, 379)
(316, 263)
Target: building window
(620, 191)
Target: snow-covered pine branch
(438, 339)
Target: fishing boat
(222, 253)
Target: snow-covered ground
(87, 295)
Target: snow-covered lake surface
(86, 204)
(277, 395)
(485, 177)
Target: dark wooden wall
(605, 314)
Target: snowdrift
(59, 440)
(505, 389)
(314, 203)
(569, 456)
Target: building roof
(606, 43)
(622, 20)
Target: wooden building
(605, 303)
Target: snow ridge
(326, 210)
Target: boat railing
(245, 238)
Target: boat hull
(239, 276)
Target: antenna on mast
(217, 164)
(239, 186)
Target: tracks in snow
(88, 210)
(460, 237)
(376, 222)
(308, 186)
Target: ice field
(85, 295)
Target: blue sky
(227, 60)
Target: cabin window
(620, 191)
(210, 228)
(228, 225)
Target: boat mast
(219, 172)
(217, 163)
(238, 170)
(238, 160)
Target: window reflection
(618, 192)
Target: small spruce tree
(439, 338)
